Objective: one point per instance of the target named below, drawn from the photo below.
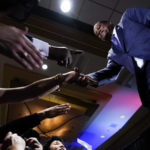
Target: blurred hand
(54, 111)
(84, 80)
(63, 55)
(71, 76)
(13, 142)
(79, 78)
(34, 143)
(19, 46)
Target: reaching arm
(107, 74)
(29, 51)
(101, 77)
(139, 15)
(16, 45)
(36, 89)
(22, 125)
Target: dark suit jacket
(133, 32)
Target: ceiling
(90, 11)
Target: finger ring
(25, 54)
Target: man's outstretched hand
(19, 46)
(79, 78)
(84, 80)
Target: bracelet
(59, 78)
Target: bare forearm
(34, 90)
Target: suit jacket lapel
(119, 32)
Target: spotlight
(44, 66)
(65, 6)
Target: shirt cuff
(42, 46)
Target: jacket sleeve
(19, 126)
(108, 74)
(139, 15)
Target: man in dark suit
(130, 48)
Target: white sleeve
(42, 46)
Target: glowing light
(44, 66)
(122, 116)
(84, 144)
(102, 136)
(65, 6)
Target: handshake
(79, 78)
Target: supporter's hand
(63, 55)
(19, 46)
(54, 111)
(34, 143)
(84, 80)
(79, 78)
(71, 76)
(13, 142)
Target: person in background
(54, 143)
